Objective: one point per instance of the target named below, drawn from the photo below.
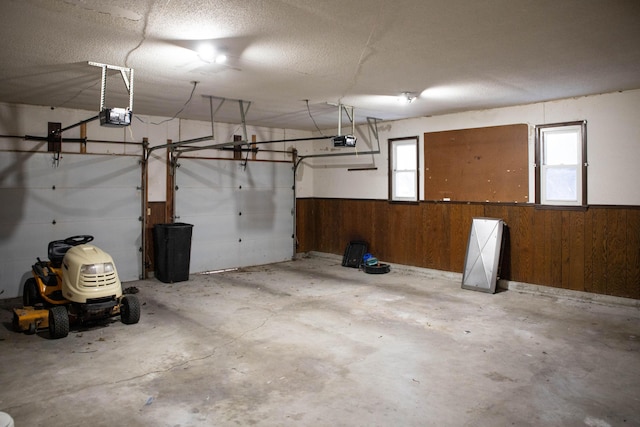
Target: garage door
(241, 215)
(86, 194)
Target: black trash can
(172, 248)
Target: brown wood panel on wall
(156, 214)
(596, 250)
(599, 251)
(616, 259)
(169, 205)
(633, 250)
(573, 222)
(380, 226)
(328, 221)
(487, 164)
(436, 216)
(305, 225)
(460, 219)
(399, 241)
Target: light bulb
(206, 52)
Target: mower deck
(30, 319)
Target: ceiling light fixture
(221, 58)
(407, 97)
(208, 53)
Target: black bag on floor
(353, 254)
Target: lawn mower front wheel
(129, 310)
(58, 322)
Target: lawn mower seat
(57, 250)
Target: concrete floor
(312, 343)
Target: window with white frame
(403, 169)
(561, 160)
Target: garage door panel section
(106, 171)
(254, 253)
(242, 217)
(201, 173)
(268, 210)
(213, 230)
(267, 225)
(206, 201)
(279, 176)
(86, 194)
(214, 254)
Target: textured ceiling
(456, 55)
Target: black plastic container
(172, 248)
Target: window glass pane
(405, 185)
(561, 184)
(561, 147)
(403, 169)
(405, 157)
(561, 179)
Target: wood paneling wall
(595, 250)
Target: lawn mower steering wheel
(78, 240)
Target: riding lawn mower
(79, 283)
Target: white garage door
(86, 194)
(241, 216)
